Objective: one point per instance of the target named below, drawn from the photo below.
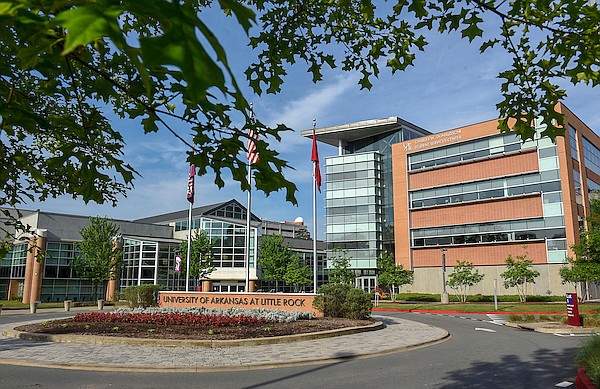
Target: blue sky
(450, 85)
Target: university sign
(277, 301)
(433, 140)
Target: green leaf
(86, 23)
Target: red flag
(315, 159)
(190, 186)
(252, 153)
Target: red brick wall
(494, 254)
(517, 208)
(495, 167)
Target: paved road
(475, 357)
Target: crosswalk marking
(497, 319)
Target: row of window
(591, 155)
(349, 184)
(370, 165)
(356, 175)
(341, 210)
(488, 194)
(467, 151)
(352, 158)
(358, 227)
(497, 183)
(558, 233)
(356, 245)
(501, 226)
(357, 218)
(353, 236)
(357, 192)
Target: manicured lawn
(489, 307)
(17, 304)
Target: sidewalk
(399, 334)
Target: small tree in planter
(518, 274)
(463, 277)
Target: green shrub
(476, 298)
(418, 297)
(342, 300)
(142, 295)
(536, 318)
(588, 356)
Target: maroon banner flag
(190, 186)
(315, 159)
(252, 153)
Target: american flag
(252, 153)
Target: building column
(253, 285)
(34, 267)
(112, 286)
(13, 289)
(207, 285)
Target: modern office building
(37, 267)
(359, 190)
(478, 194)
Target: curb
(115, 340)
(552, 328)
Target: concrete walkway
(398, 334)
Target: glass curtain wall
(150, 262)
(354, 202)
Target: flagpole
(247, 264)
(190, 198)
(314, 219)
(189, 249)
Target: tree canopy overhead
(66, 65)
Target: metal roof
(351, 132)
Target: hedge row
(478, 298)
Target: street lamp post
(445, 298)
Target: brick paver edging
(117, 340)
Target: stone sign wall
(277, 301)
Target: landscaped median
(198, 327)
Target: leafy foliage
(463, 277)
(201, 255)
(274, 258)
(100, 257)
(340, 271)
(588, 356)
(390, 274)
(548, 41)
(297, 273)
(518, 273)
(343, 300)
(585, 268)
(65, 65)
(142, 295)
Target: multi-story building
(38, 267)
(476, 193)
(359, 195)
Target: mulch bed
(153, 331)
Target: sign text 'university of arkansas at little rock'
(279, 301)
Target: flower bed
(196, 317)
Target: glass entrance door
(366, 283)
